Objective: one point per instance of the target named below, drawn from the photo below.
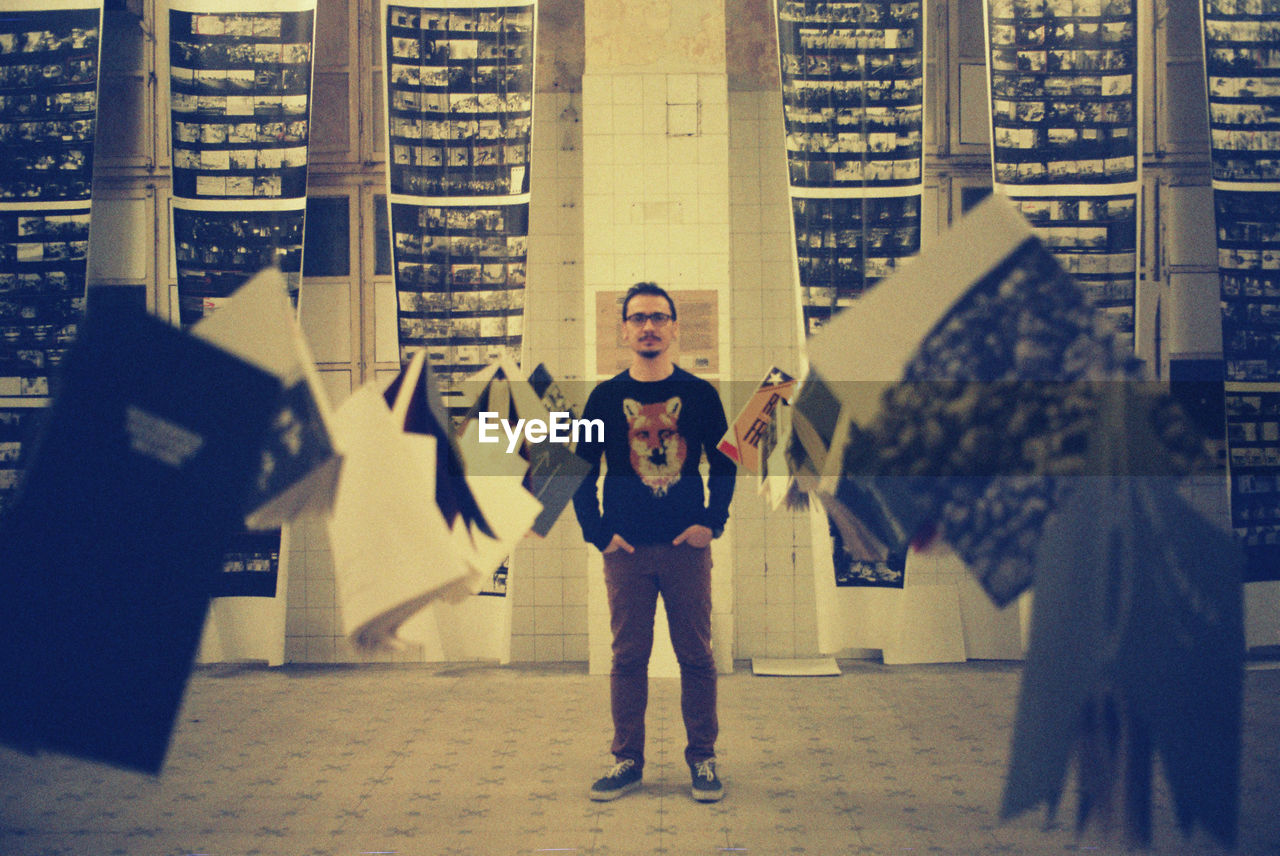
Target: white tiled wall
(656, 207)
(548, 586)
(773, 569)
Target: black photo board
(1065, 135)
(853, 105)
(1242, 66)
(240, 110)
(240, 120)
(49, 55)
(459, 103)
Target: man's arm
(723, 475)
(586, 500)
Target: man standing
(655, 533)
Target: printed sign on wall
(1242, 64)
(1065, 136)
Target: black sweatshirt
(655, 434)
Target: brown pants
(683, 576)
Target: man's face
(650, 339)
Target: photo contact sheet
(240, 89)
(49, 62)
(1064, 134)
(459, 122)
(853, 105)
(1242, 66)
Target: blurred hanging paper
(1137, 643)
(987, 391)
(742, 442)
(1244, 118)
(418, 408)
(135, 488)
(240, 111)
(551, 471)
(1065, 137)
(393, 553)
(459, 116)
(553, 397)
(300, 466)
(481, 498)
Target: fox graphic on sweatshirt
(657, 448)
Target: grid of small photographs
(250, 567)
(1242, 66)
(852, 92)
(48, 102)
(460, 277)
(1248, 226)
(1094, 238)
(43, 254)
(217, 251)
(17, 426)
(1064, 111)
(845, 245)
(1242, 61)
(239, 102)
(1063, 90)
(459, 99)
(1253, 438)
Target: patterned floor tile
(483, 760)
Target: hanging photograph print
(1064, 135)
(1242, 66)
(49, 56)
(853, 105)
(48, 99)
(218, 250)
(459, 105)
(239, 87)
(1253, 440)
(240, 109)
(460, 276)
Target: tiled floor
(420, 761)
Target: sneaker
(706, 784)
(623, 778)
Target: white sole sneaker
(707, 796)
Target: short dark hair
(647, 288)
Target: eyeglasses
(639, 319)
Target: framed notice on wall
(697, 349)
